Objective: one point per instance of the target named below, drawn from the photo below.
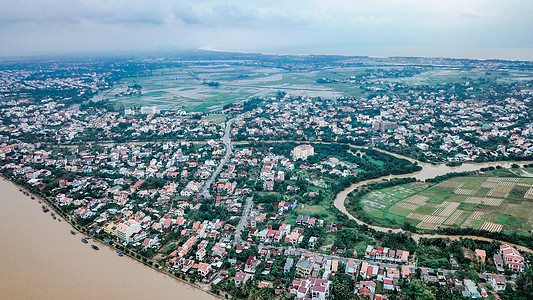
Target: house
(311, 288)
(302, 220)
(241, 277)
(320, 289)
(334, 265)
(151, 242)
(454, 263)
(200, 254)
(305, 265)
(497, 282)
(365, 288)
(388, 284)
(292, 238)
(405, 256)
(312, 242)
(351, 267)
(251, 265)
(176, 262)
(184, 249)
(126, 229)
(405, 272)
(218, 251)
(481, 255)
(204, 269)
(512, 258)
(364, 267)
(393, 273)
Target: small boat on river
(84, 241)
(95, 247)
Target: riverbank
(41, 259)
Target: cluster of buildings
(16, 82)
(431, 122)
(54, 122)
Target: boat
(84, 241)
(53, 215)
(45, 209)
(95, 247)
(73, 232)
(120, 254)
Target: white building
(149, 110)
(497, 282)
(127, 229)
(302, 152)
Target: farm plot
(492, 227)
(466, 202)
(484, 201)
(456, 218)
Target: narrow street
(245, 215)
(226, 139)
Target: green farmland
(496, 204)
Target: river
(40, 259)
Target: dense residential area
(240, 201)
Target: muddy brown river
(40, 259)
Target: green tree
(524, 284)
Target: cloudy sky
(446, 28)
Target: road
(247, 207)
(226, 139)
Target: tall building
(302, 152)
(383, 126)
(127, 229)
(149, 110)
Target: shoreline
(339, 203)
(112, 248)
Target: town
(239, 202)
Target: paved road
(226, 139)
(247, 207)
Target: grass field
(215, 118)
(489, 203)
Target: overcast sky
(446, 28)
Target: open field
(185, 87)
(215, 118)
(488, 203)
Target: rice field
(489, 203)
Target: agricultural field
(494, 204)
(187, 87)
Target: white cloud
(255, 25)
